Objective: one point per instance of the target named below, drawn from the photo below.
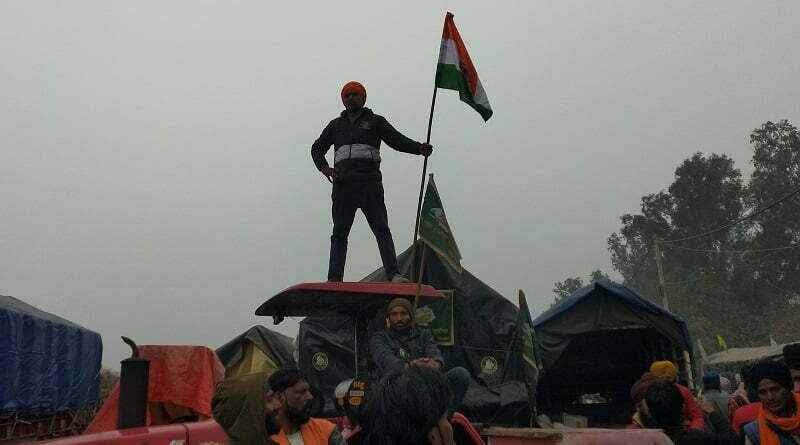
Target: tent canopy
(734, 356)
(484, 323)
(600, 340)
(604, 306)
(47, 363)
(258, 349)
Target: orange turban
(664, 369)
(354, 86)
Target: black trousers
(347, 198)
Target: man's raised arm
(400, 142)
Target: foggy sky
(155, 177)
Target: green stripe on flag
(451, 78)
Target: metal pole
(424, 167)
(419, 277)
(662, 290)
(422, 183)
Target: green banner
(434, 229)
(526, 335)
(437, 315)
(526, 346)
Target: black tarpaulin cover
(601, 306)
(484, 324)
(277, 348)
(600, 340)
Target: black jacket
(369, 129)
(391, 350)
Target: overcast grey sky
(155, 177)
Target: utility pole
(662, 290)
(687, 360)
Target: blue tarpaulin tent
(602, 305)
(600, 340)
(47, 364)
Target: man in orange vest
(778, 421)
(293, 391)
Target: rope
(737, 220)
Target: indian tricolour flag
(456, 71)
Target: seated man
(409, 406)
(778, 419)
(297, 427)
(403, 344)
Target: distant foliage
(720, 283)
(564, 289)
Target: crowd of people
(415, 395)
(763, 410)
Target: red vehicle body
(196, 433)
(331, 299)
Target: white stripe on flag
(480, 96)
(448, 54)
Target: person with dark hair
(245, 407)
(778, 420)
(791, 355)
(297, 427)
(692, 416)
(663, 408)
(408, 407)
(748, 412)
(403, 344)
(712, 391)
(356, 137)
(637, 396)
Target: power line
(735, 221)
(675, 283)
(774, 249)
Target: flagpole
(422, 180)
(419, 277)
(424, 166)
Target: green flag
(526, 346)
(434, 229)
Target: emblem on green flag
(437, 316)
(434, 229)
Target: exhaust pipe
(134, 377)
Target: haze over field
(155, 176)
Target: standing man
(297, 427)
(692, 416)
(778, 421)
(791, 355)
(356, 136)
(712, 391)
(404, 345)
(663, 408)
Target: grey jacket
(391, 350)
